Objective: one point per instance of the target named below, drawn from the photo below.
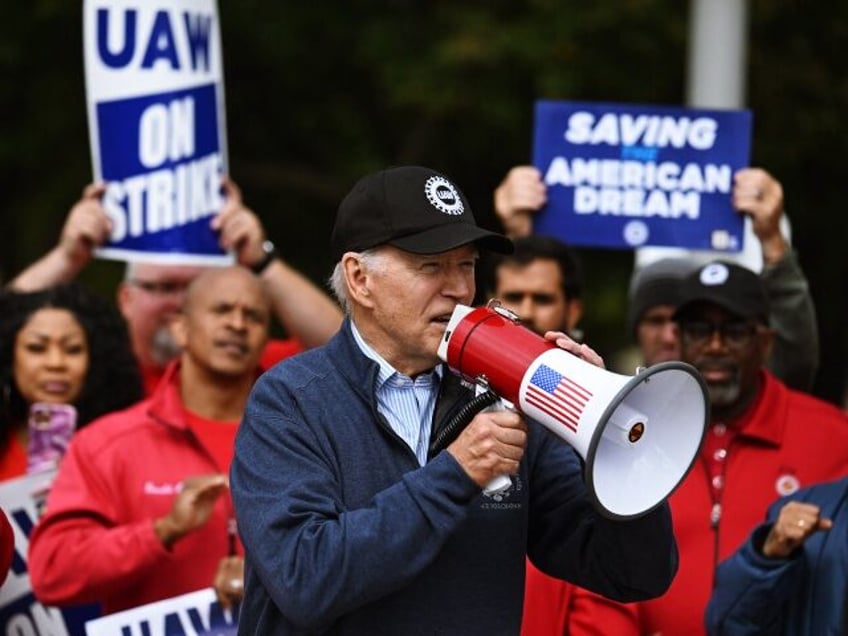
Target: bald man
(140, 510)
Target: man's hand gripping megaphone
(489, 435)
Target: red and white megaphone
(638, 435)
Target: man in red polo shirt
(140, 509)
(764, 441)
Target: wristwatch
(270, 253)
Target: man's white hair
(373, 259)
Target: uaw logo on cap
(443, 196)
(714, 274)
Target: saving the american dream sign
(627, 176)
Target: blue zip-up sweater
(803, 595)
(345, 533)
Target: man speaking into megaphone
(352, 521)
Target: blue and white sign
(627, 176)
(155, 93)
(20, 612)
(194, 614)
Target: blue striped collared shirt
(407, 404)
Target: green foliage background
(320, 93)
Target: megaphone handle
(484, 400)
(501, 483)
(454, 427)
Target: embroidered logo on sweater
(151, 488)
(507, 499)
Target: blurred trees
(319, 93)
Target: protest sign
(194, 614)
(155, 96)
(626, 176)
(20, 612)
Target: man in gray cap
(352, 522)
(653, 295)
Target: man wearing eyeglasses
(151, 294)
(764, 440)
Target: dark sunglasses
(735, 335)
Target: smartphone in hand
(50, 430)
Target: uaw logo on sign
(20, 612)
(154, 85)
(625, 176)
(194, 614)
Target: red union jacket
(96, 541)
(556, 608)
(786, 440)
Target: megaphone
(638, 435)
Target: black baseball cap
(733, 287)
(413, 208)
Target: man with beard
(764, 440)
(541, 282)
